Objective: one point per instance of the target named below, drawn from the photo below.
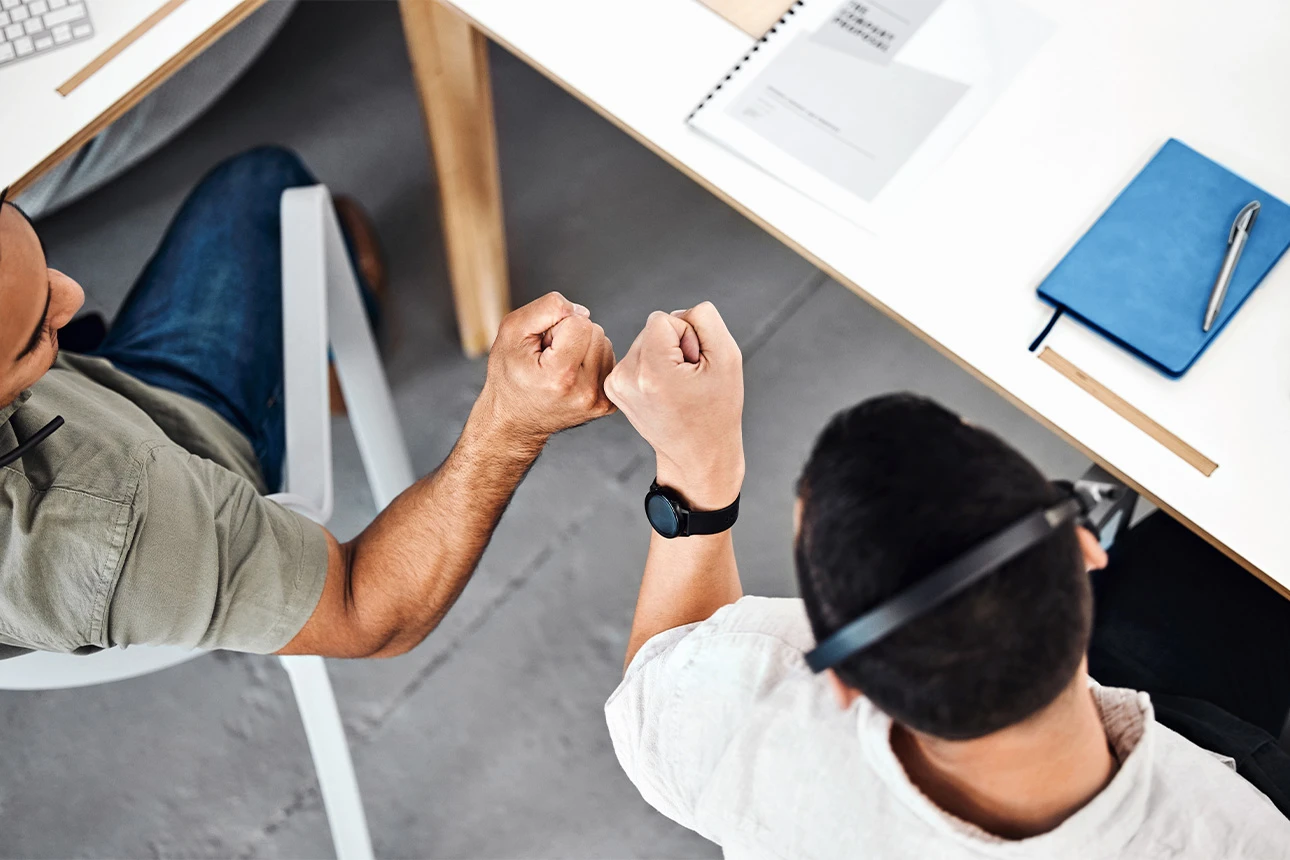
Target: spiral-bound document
(855, 103)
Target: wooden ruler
(1129, 412)
(118, 46)
(130, 99)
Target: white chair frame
(321, 306)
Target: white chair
(320, 298)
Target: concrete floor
(488, 740)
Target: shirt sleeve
(213, 564)
(688, 692)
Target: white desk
(42, 126)
(39, 126)
(1114, 82)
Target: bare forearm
(410, 565)
(390, 586)
(686, 580)
(681, 386)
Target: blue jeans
(204, 319)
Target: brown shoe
(371, 265)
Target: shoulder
(694, 686)
(755, 642)
(691, 692)
(1199, 806)
(778, 622)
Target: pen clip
(1245, 219)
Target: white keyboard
(32, 27)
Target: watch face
(662, 516)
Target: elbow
(378, 629)
(392, 643)
(383, 637)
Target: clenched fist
(682, 387)
(546, 370)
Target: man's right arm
(389, 587)
(681, 385)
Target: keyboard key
(13, 31)
(6, 52)
(39, 7)
(80, 31)
(62, 33)
(43, 42)
(34, 25)
(9, 4)
(63, 16)
(19, 14)
(57, 4)
(4, 19)
(23, 46)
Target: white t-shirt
(723, 728)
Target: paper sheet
(854, 103)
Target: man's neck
(1021, 781)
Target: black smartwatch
(671, 517)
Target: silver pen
(1236, 240)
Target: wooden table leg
(450, 63)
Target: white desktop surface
(961, 265)
(37, 121)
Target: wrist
(710, 487)
(491, 424)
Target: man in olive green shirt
(142, 519)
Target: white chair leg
(330, 751)
(322, 304)
(313, 240)
(362, 378)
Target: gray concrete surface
(488, 740)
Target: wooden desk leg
(450, 63)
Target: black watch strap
(705, 522)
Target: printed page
(860, 128)
(874, 31)
(855, 103)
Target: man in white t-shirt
(969, 729)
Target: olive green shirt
(142, 521)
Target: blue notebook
(1143, 274)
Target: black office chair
(1110, 501)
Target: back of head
(896, 487)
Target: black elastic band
(940, 586)
(39, 436)
(1034, 344)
